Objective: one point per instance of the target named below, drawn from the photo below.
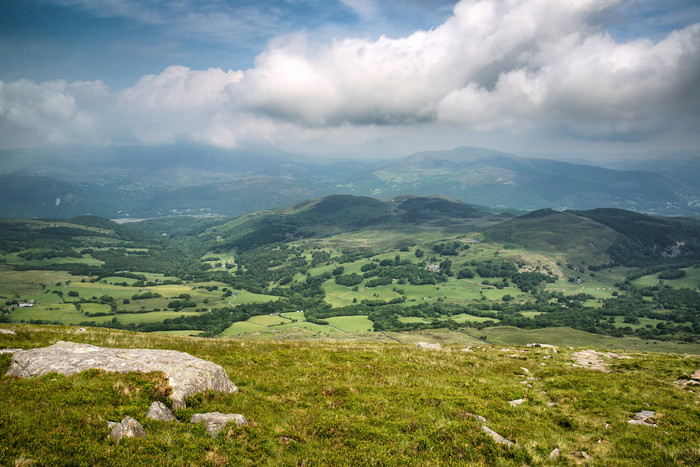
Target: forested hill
(343, 213)
(608, 235)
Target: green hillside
(355, 404)
(600, 236)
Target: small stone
(581, 454)
(8, 331)
(478, 417)
(554, 454)
(9, 350)
(696, 375)
(216, 421)
(468, 349)
(516, 402)
(525, 369)
(496, 437)
(427, 346)
(160, 411)
(129, 428)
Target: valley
(352, 268)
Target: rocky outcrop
(187, 375)
(129, 428)
(8, 331)
(593, 360)
(217, 421)
(159, 411)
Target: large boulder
(187, 375)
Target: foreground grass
(313, 403)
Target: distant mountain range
(145, 182)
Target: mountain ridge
(197, 181)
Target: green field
(64, 313)
(691, 280)
(351, 323)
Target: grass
(312, 403)
(691, 280)
(564, 337)
(351, 323)
(62, 312)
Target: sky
(353, 78)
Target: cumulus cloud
(178, 104)
(493, 66)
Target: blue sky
(353, 78)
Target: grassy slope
(583, 241)
(316, 403)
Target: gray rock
(425, 345)
(496, 437)
(642, 417)
(554, 454)
(129, 428)
(9, 350)
(7, 331)
(695, 375)
(160, 411)
(187, 375)
(516, 402)
(217, 421)
(581, 454)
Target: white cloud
(494, 66)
